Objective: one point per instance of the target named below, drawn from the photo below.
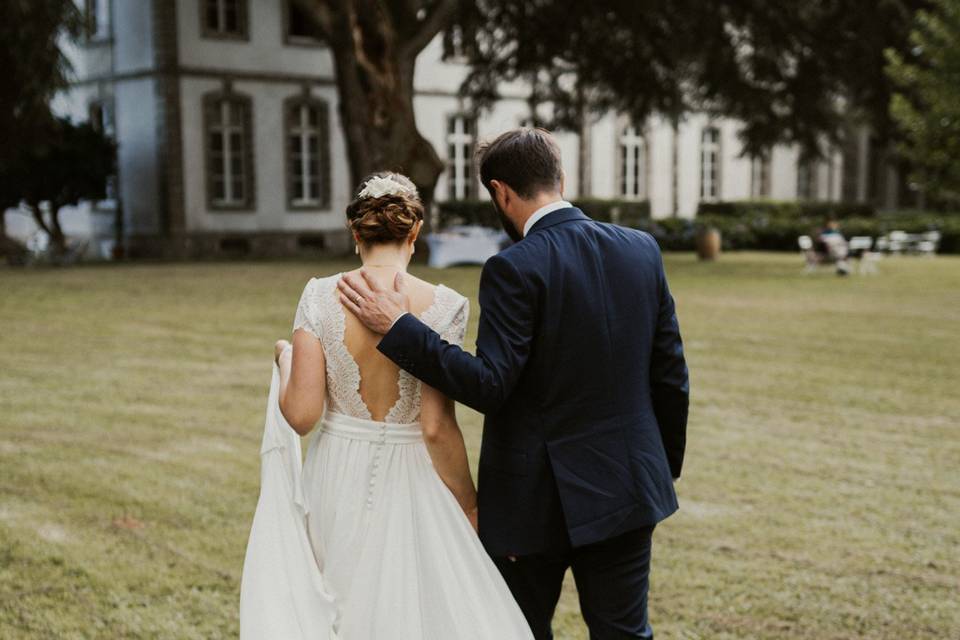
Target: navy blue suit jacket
(581, 376)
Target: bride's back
(360, 381)
(379, 376)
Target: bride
(391, 506)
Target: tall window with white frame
(229, 140)
(461, 137)
(760, 176)
(710, 164)
(224, 18)
(633, 164)
(807, 184)
(96, 20)
(308, 154)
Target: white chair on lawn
(860, 246)
(898, 241)
(928, 244)
(811, 259)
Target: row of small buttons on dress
(375, 464)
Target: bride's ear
(415, 232)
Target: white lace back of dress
(320, 313)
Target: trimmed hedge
(789, 209)
(763, 225)
(631, 213)
(779, 234)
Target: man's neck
(534, 204)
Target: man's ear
(500, 194)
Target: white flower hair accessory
(379, 186)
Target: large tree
(927, 107)
(791, 71)
(33, 68)
(375, 44)
(71, 164)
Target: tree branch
(38, 217)
(438, 18)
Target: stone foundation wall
(216, 245)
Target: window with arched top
(307, 153)
(710, 164)
(228, 137)
(223, 19)
(632, 171)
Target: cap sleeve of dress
(455, 328)
(308, 311)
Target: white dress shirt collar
(542, 212)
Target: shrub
(780, 234)
(631, 213)
(775, 208)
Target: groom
(581, 375)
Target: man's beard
(508, 226)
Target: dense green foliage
(71, 163)
(34, 68)
(792, 71)
(927, 107)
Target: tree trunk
(375, 46)
(57, 239)
(53, 230)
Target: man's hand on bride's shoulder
(279, 348)
(376, 307)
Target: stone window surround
(461, 164)
(243, 22)
(323, 146)
(248, 203)
(711, 191)
(639, 139)
(761, 175)
(296, 41)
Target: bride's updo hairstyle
(385, 210)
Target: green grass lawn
(820, 499)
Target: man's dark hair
(526, 159)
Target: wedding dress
(391, 555)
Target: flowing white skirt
(396, 552)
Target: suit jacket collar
(559, 216)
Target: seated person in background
(832, 247)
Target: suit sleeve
(486, 380)
(669, 379)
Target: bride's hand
(474, 520)
(279, 348)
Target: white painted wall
(136, 123)
(133, 35)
